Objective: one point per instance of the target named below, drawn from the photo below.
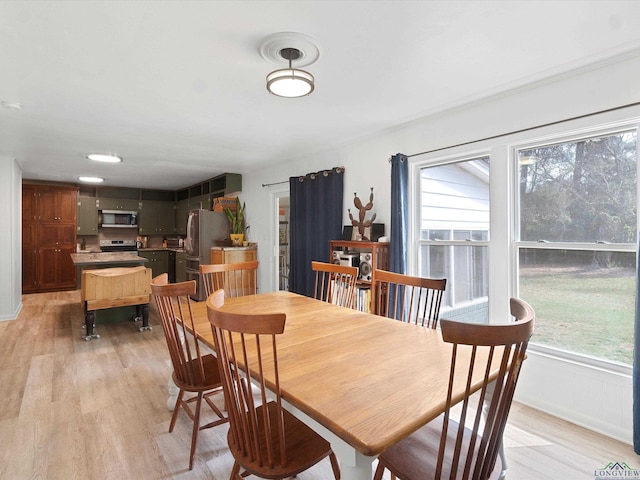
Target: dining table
(362, 381)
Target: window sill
(581, 359)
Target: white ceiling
(178, 87)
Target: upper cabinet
(156, 217)
(182, 214)
(223, 184)
(57, 205)
(126, 204)
(87, 216)
(161, 212)
(117, 198)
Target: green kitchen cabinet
(87, 216)
(157, 217)
(127, 204)
(182, 214)
(158, 260)
(181, 267)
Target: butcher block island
(114, 284)
(107, 259)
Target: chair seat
(304, 447)
(416, 456)
(211, 376)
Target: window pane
(582, 191)
(584, 300)
(465, 268)
(454, 207)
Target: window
(576, 247)
(454, 235)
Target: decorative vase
(236, 239)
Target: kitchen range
(118, 245)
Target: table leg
(353, 464)
(142, 312)
(89, 323)
(173, 393)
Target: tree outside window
(578, 224)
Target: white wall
(10, 239)
(600, 87)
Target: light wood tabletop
(368, 380)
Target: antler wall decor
(361, 223)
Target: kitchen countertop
(248, 247)
(169, 249)
(105, 258)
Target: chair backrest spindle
(335, 283)
(409, 299)
(236, 279)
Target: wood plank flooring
(97, 410)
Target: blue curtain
(315, 218)
(399, 213)
(636, 360)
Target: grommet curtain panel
(399, 213)
(315, 218)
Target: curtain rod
(493, 137)
(274, 183)
(337, 169)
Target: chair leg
(335, 466)
(235, 472)
(379, 472)
(176, 408)
(196, 429)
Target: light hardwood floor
(97, 410)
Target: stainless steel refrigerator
(204, 228)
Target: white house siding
(454, 199)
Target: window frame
(595, 131)
(504, 223)
(419, 242)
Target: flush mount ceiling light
(283, 49)
(104, 157)
(91, 179)
(290, 82)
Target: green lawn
(582, 310)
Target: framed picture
(284, 233)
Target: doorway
(283, 243)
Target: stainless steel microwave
(118, 218)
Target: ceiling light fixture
(104, 157)
(290, 82)
(91, 179)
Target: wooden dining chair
(463, 443)
(335, 283)
(409, 299)
(193, 372)
(264, 438)
(236, 279)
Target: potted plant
(236, 221)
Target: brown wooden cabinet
(49, 216)
(368, 256)
(235, 255)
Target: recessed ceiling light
(104, 157)
(91, 179)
